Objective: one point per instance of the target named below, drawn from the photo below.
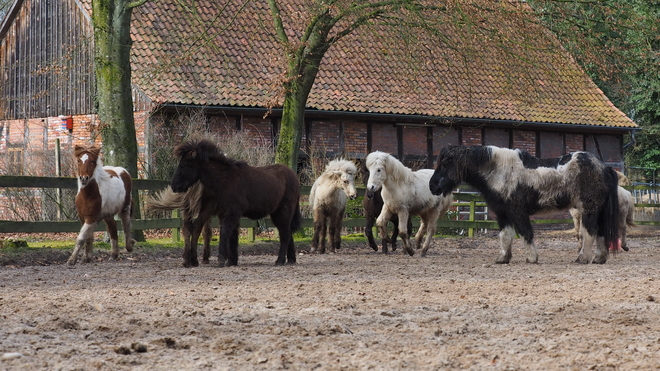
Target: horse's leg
(323, 229)
(420, 234)
(207, 233)
(369, 231)
(111, 226)
(506, 239)
(430, 225)
(228, 234)
(318, 225)
(602, 251)
(382, 220)
(588, 233)
(125, 217)
(190, 255)
(403, 231)
(335, 231)
(85, 231)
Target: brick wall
(415, 140)
(472, 136)
(525, 140)
(384, 138)
(355, 139)
(574, 142)
(325, 138)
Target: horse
(626, 218)
(373, 205)
(234, 190)
(190, 203)
(328, 198)
(103, 192)
(405, 192)
(516, 184)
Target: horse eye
(345, 181)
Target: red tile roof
(179, 58)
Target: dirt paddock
(352, 310)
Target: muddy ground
(356, 309)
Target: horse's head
(345, 173)
(447, 175)
(87, 159)
(376, 163)
(193, 157)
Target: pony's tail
(165, 200)
(609, 214)
(296, 222)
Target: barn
(377, 88)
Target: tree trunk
(112, 68)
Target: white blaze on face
(84, 158)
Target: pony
(103, 192)
(234, 189)
(372, 203)
(626, 218)
(190, 203)
(516, 184)
(405, 192)
(328, 198)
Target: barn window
(15, 161)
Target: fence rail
(470, 200)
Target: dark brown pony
(103, 192)
(373, 205)
(234, 189)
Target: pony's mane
(92, 150)
(341, 165)
(396, 170)
(204, 150)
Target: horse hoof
(393, 247)
(375, 248)
(582, 260)
(205, 261)
(279, 263)
(410, 251)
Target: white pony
(328, 199)
(405, 192)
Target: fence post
(473, 207)
(176, 232)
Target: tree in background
(112, 69)
(618, 43)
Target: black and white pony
(516, 185)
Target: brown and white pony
(328, 199)
(103, 192)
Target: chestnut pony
(103, 192)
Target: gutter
(402, 119)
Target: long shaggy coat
(516, 185)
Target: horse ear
(95, 150)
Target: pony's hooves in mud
(625, 248)
(393, 247)
(205, 261)
(375, 248)
(582, 260)
(279, 263)
(599, 260)
(532, 261)
(410, 251)
(230, 264)
(71, 264)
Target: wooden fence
(469, 201)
